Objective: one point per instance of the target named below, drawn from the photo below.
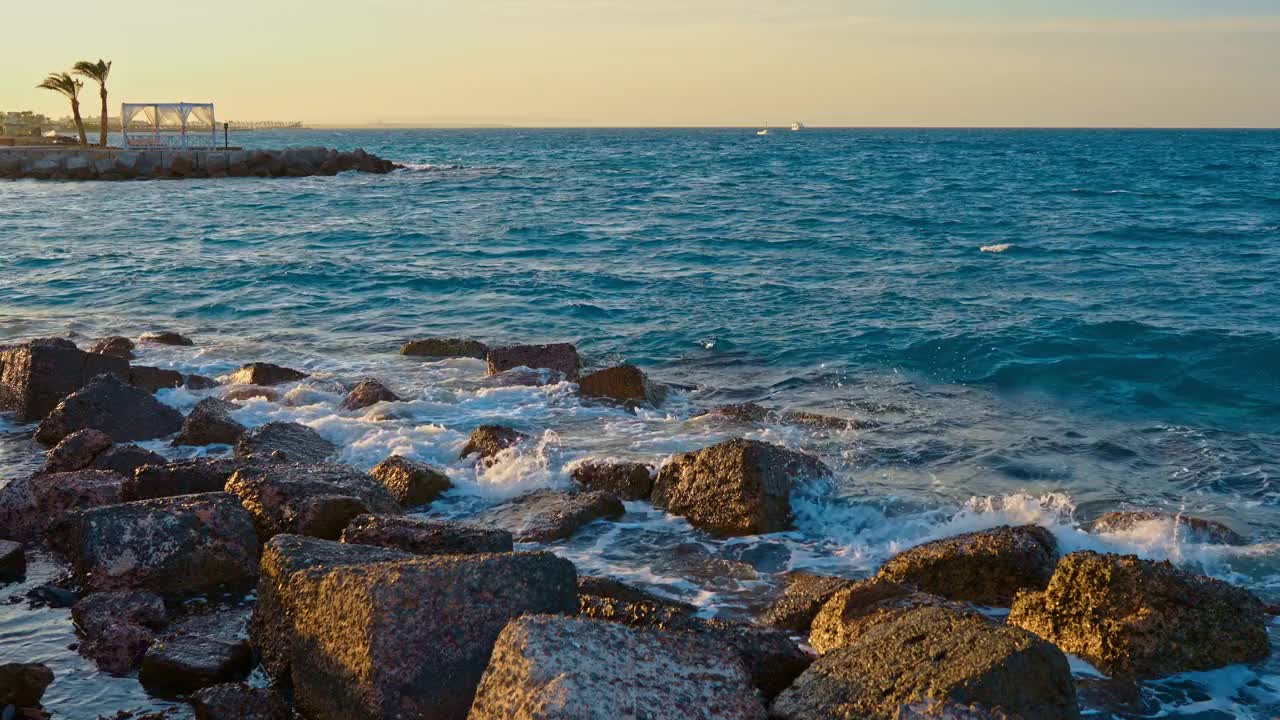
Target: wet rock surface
(199, 652)
(165, 337)
(770, 657)
(560, 357)
(119, 627)
(1194, 528)
(738, 487)
(803, 597)
(367, 393)
(308, 499)
(1141, 618)
(23, 684)
(610, 600)
(36, 376)
(185, 477)
(426, 537)
(411, 482)
(988, 567)
(76, 451)
(560, 668)
(153, 379)
(29, 506)
(294, 442)
(251, 393)
(265, 375)
(445, 348)
(13, 561)
(115, 345)
(489, 440)
(851, 611)
(125, 459)
(623, 384)
(548, 515)
(238, 701)
(106, 403)
(210, 423)
(627, 480)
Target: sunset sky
(670, 62)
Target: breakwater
(52, 163)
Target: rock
(803, 598)
(298, 443)
(152, 379)
(560, 357)
(308, 499)
(186, 477)
(1140, 618)
(13, 562)
(822, 422)
(198, 653)
(741, 412)
(1194, 528)
(410, 482)
(772, 660)
(185, 544)
(23, 684)
(28, 506)
(547, 515)
(421, 630)
(624, 384)
(739, 487)
(76, 451)
(249, 393)
(199, 382)
(367, 393)
(848, 614)
(118, 649)
(36, 376)
(106, 403)
(445, 348)
(165, 337)
(273, 627)
(265, 374)
(627, 480)
(126, 459)
(521, 377)
(934, 654)
(426, 537)
(210, 423)
(606, 599)
(115, 345)
(489, 440)
(119, 627)
(988, 567)
(546, 667)
(237, 701)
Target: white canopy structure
(177, 125)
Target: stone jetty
(55, 163)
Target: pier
(79, 163)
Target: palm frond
(62, 83)
(96, 71)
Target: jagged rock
(445, 347)
(28, 506)
(804, 596)
(118, 649)
(36, 376)
(23, 684)
(250, 393)
(298, 443)
(423, 632)
(560, 357)
(988, 567)
(624, 384)
(126, 459)
(238, 701)
(1140, 618)
(199, 382)
(119, 627)
(75, 451)
(627, 480)
(186, 544)
(308, 499)
(489, 440)
(934, 654)
(739, 487)
(165, 337)
(410, 482)
(740, 412)
(521, 377)
(186, 477)
(13, 562)
(367, 393)
(557, 668)
(426, 537)
(850, 611)
(152, 379)
(106, 403)
(771, 658)
(265, 374)
(199, 652)
(604, 598)
(1194, 528)
(210, 423)
(822, 422)
(547, 515)
(115, 345)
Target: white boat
(765, 131)
(797, 126)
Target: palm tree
(97, 72)
(70, 87)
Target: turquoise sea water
(1123, 350)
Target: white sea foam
(995, 248)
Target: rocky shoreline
(321, 575)
(23, 163)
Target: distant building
(23, 123)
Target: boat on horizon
(797, 126)
(765, 131)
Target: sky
(1110, 63)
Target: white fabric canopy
(192, 120)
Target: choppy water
(1123, 350)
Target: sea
(1031, 326)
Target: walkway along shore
(51, 163)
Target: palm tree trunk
(102, 129)
(75, 112)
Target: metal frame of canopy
(169, 118)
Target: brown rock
(126, 459)
(210, 423)
(165, 337)
(308, 499)
(23, 684)
(445, 347)
(624, 384)
(1139, 618)
(627, 480)
(426, 537)
(115, 345)
(988, 567)
(28, 506)
(106, 403)
(489, 440)
(847, 615)
(410, 482)
(249, 393)
(804, 596)
(152, 379)
(741, 412)
(547, 515)
(296, 443)
(739, 487)
(76, 451)
(823, 422)
(238, 701)
(367, 393)
(199, 382)
(13, 562)
(119, 627)
(561, 357)
(199, 652)
(36, 376)
(118, 650)
(186, 477)
(266, 374)
(1194, 528)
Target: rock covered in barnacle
(199, 652)
(316, 499)
(210, 423)
(848, 613)
(411, 482)
(108, 404)
(988, 567)
(803, 597)
(288, 441)
(546, 515)
(238, 701)
(369, 392)
(560, 357)
(29, 506)
(426, 537)
(627, 480)
(36, 376)
(118, 627)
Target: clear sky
(669, 62)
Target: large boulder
(739, 487)
(76, 451)
(180, 545)
(308, 499)
(547, 515)
(934, 654)
(411, 482)
(1193, 528)
(185, 477)
(771, 658)
(627, 480)
(988, 567)
(624, 384)
(13, 562)
(368, 392)
(126, 459)
(487, 441)
(261, 373)
(210, 423)
(558, 668)
(165, 337)
(847, 614)
(198, 652)
(153, 379)
(560, 357)
(421, 536)
(411, 638)
(294, 442)
(36, 376)
(800, 602)
(119, 627)
(1141, 618)
(108, 404)
(29, 506)
(23, 684)
(607, 599)
(115, 345)
(445, 348)
(238, 701)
